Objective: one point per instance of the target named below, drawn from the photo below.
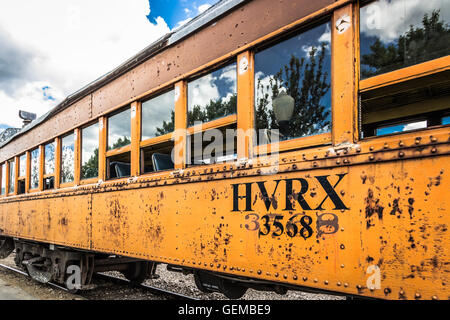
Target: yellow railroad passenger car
(332, 173)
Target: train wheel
(137, 272)
(6, 247)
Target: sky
(50, 48)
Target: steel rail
(155, 290)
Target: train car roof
(211, 14)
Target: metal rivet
(285, 276)
(338, 162)
(401, 154)
(418, 296)
(315, 280)
(339, 284)
(346, 284)
(434, 298)
(371, 148)
(305, 278)
(401, 144)
(371, 158)
(434, 150)
(295, 277)
(259, 271)
(433, 139)
(342, 247)
(387, 291)
(326, 282)
(342, 265)
(358, 150)
(386, 146)
(276, 274)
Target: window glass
(35, 159)
(292, 86)
(446, 120)
(3, 182)
(213, 96)
(23, 165)
(89, 151)
(158, 115)
(12, 176)
(119, 130)
(68, 158)
(49, 152)
(401, 128)
(400, 33)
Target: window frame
(32, 190)
(2, 165)
(61, 184)
(395, 77)
(215, 123)
(8, 183)
(80, 156)
(299, 142)
(120, 150)
(138, 168)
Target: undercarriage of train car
(74, 269)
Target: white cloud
(182, 22)
(72, 42)
(203, 8)
(388, 19)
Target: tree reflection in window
(300, 68)
(22, 166)
(158, 116)
(49, 153)
(119, 130)
(89, 151)
(401, 33)
(213, 96)
(3, 181)
(34, 181)
(68, 159)
(12, 176)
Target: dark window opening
(49, 183)
(408, 106)
(21, 186)
(213, 146)
(118, 166)
(157, 157)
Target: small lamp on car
(283, 107)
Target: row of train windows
(292, 95)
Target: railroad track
(124, 282)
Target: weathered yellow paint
(397, 220)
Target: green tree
(213, 110)
(429, 41)
(90, 168)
